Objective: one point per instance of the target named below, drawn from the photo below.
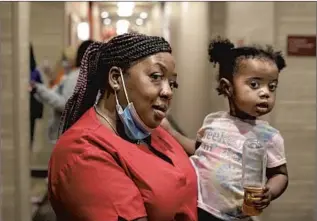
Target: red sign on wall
(301, 45)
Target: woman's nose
(166, 91)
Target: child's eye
(254, 84)
(272, 86)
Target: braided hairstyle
(81, 51)
(222, 51)
(121, 51)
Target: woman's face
(149, 85)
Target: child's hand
(265, 199)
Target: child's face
(254, 86)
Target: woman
(64, 66)
(113, 161)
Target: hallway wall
(47, 30)
(48, 34)
(7, 148)
(295, 114)
(14, 101)
(189, 41)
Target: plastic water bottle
(254, 161)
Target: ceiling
(111, 8)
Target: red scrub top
(95, 175)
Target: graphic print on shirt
(226, 173)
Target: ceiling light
(104, 14)
(107, 21)
(143, 15)
(122, 26)
(124, 12)
(139, 21)
(125, 9)
(125, 4)
(83, 31)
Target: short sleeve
(207, 122)
(200, 135)
(276, 153)
(95, 188)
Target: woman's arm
(187, 143)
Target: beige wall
(47, 30)
(295, 111)
(78, 12)
(295, 114)
(48, 34)
(190, 41)
(14, 64)
(96, 22)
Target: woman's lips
(160, 114)
(160, 110)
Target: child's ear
(226, 87)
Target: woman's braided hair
(121, 51)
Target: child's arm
(275, 186)
(276, 173)
(277, 180)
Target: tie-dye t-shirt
(218, 161)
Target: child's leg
(205, 216)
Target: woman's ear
(114, 78)
(226, 87)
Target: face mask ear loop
(116, 96)
(124, 88)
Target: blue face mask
(134, 128)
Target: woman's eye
(254, 84)
(173, 84)
(156, 76)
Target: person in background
(36, 107)
(113, 161)
(248, 78)
(64, 66)
(59, 94)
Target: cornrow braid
(72, 106)
(121, 51)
